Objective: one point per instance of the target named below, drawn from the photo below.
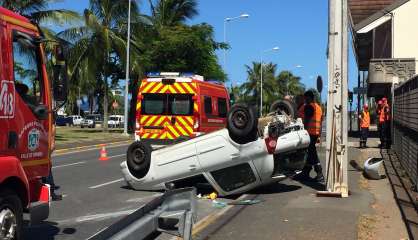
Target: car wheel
(139, 159)
(242, 123)
(286, 106)
(11, 216)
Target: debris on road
(245, 202)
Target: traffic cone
(103, 154)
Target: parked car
(91, 121)
(233, 160)
(76, 120)
(116, 121)
(63, 121)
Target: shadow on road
(45, 231)
(275, 188)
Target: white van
(116, 121)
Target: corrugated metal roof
(362, 9)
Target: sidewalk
(291, 210)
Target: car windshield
(167, 104)
(90, 117)
(114, 118)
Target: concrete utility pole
(337, 138)
(128, 42)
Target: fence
(405, 130)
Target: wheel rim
(8, 224)
(138, 156)
(239, 119)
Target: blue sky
(298, 27)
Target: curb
(215, 221)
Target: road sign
(362, 90)
(115, 105)
(319, 84)
(79, 102)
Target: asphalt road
(95, 196)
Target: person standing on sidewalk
(384, 118)
(312, 120)
(364, 125)
(379, 124)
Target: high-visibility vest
(384, 114)
(313, 126)
(365, 119)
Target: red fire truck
(26, 118)
(173, 105)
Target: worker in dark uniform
(311, 114)
(364, 126)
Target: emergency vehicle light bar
(174, 74)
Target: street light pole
(261, 86)
(226, 20)
(261, 77)
(79, 101)
(128, 41)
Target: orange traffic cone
(103, 154)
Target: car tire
(11, 205)
(242, 123)
(139, 159)
(286, 106)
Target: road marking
(86, 150)
(95, 217)
(115, 156)
(90, 146)
(66, 165)
(107, 183)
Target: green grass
(77, 134)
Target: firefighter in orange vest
(364, 125)
(311, 114)
(384, 119)
(379, 124)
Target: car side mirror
(41, 112)
(60, 75)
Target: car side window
(222, 107)
(28, 79)
(208, 105)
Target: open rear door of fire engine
(174, 213)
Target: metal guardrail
(405, 126)
(172, 213)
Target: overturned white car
(247, 154)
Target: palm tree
(38, 11)
(251, 88)
(96, 43)
(172, 12)
(289, 84)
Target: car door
(177, 161)
(32, 130)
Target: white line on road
(107, 183)
(66, 165)
(115, 156)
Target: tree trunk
(132, 108)
(105, 106)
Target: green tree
(166, 13)
(251, 88)
(289, 84)
(97, 46)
